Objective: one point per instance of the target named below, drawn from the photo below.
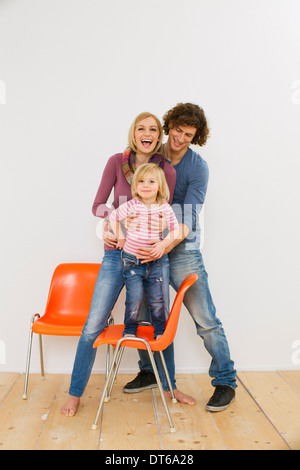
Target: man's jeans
(199, 303)
(139, 277)
(108, 286)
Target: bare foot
(70, 407)
(181, 397)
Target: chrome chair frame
(114, 370)
(35, 317)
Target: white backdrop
(73, 75)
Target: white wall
(73, 76)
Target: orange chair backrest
(172, 321)
(71, 292)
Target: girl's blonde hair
(163, 194)
(138, 119)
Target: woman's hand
(156, 223)
(121, 243)
(108, 237)
(132, 222)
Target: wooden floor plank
(129, 421)
(279, 401)
(194, 427)
(7, 379)
(243, 426)
(21, 421)
(292, 377)
(265, 415)
(72, 433)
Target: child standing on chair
(150, 195)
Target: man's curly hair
(187, 115)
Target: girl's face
(147, 188)
(146, 136)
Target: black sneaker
(221, 399)
(143, 381)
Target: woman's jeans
(108, 286)
(198, 301)
(139, 278)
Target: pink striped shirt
(137, 237)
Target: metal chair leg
(108, 351)
(94, 426)
(116, 369)
(109, 347)
(172, 428)
(116, 362)
(29, 355)
(167, 376)
(41, 358)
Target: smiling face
(147, 188)
(149, 184)
(180, 137)
(146, 136)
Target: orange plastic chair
(67, 307)
(144, 340)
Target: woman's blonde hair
(131, 138)
(163, 194)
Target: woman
(145, 145)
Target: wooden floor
(265, 415)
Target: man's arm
(144, 252)
(183, 233)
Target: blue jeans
(199, 303)
(138, 277)
(108, 286)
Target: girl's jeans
(108, 286)
(139, 277)
(184, 261)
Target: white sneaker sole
(140, 389)
(219, 408)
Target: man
(186, 124)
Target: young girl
(150, 195)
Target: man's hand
(144, 253)
(158, 249)
(157, 223)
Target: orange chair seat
(68, 305)
(44, 327)
(115, 332)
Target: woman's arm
(108, 180)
